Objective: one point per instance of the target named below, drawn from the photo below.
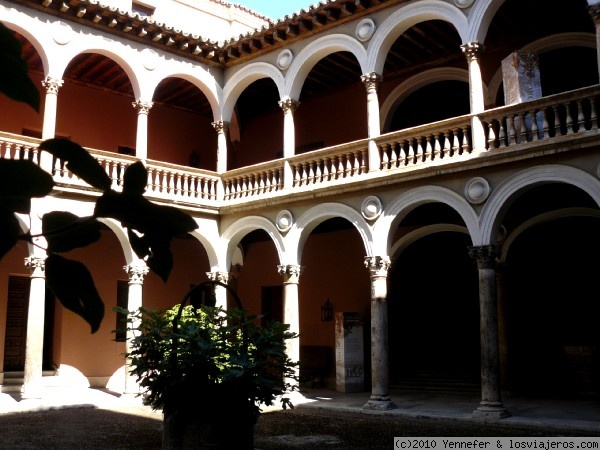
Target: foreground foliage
(150, 227)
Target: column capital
(142, 106)
(136, 271)
(37, 265)
(221, 277)
(371, 80)
(220, 126)
(52, 85)
(289, 105)
(291, 273)
(594, 11)
(486, 256)
(378, 265)
(472, 50)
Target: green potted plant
(209, 370)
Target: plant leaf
(135, 178)
(15, 82)
(74, 287)
(137, 212)
(10, 231)
(79, 161)
(65, 231)
(20, 180)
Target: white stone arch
(113, 52)
(314, 52)
(121, 235)
(543, 45)
(308, 221)
(480, 18)
(404, 18)
(400, 245)
(544, 218)
(234, 234)
(416, 82)
(384, 228)
(244, 78)
(199, 78)
(33, 39)
(503, 196)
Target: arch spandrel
(503, 196)
(399, 208)
(234, 234)
(309, 220)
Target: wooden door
(16, 323)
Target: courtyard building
(413, 186)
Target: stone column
(34, 346)
(141, 138)
(491, 406)
(220, 291)
(594, 11)
(473, 51)
(288, 106)
(372, 81)
(378, 267)
(234, 276)
(52, 86)
(136, 271)
(222, 129)
(291, 316)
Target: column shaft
(372, 82)
(291, 315)
(141, 137)
(472, 51)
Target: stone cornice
(132, 26)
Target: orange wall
(15, 116)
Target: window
(122, 302)
(142, 9)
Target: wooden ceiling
(425, 45)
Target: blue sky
(276, 9)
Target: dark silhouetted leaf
(10, 231)
(138, 213)
(65, 231)
(20, 180)
(15, 82)
(135, 179)
(155, 250)
(79, 161)
(74, 287)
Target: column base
(491, 411)
(31, 391)
(380, 403)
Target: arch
(543, 218)
(415, 235)
(404, 18)
(398, 209)
(236, 232)
(244, 78)
(501, 198)
(121, 235)
(480, 18)
(39, 48)
(313, 53)
(413, 84)
(316, 215)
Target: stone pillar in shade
(491, 406)
(349, 352)
(594, 11)
(141, 137)
(220, 291)
(372, 81)
(136, 272)
(378, 267)
(34, 345)
(288, 106)
(291, 278)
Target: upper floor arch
(404, 18)
(315, 51)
